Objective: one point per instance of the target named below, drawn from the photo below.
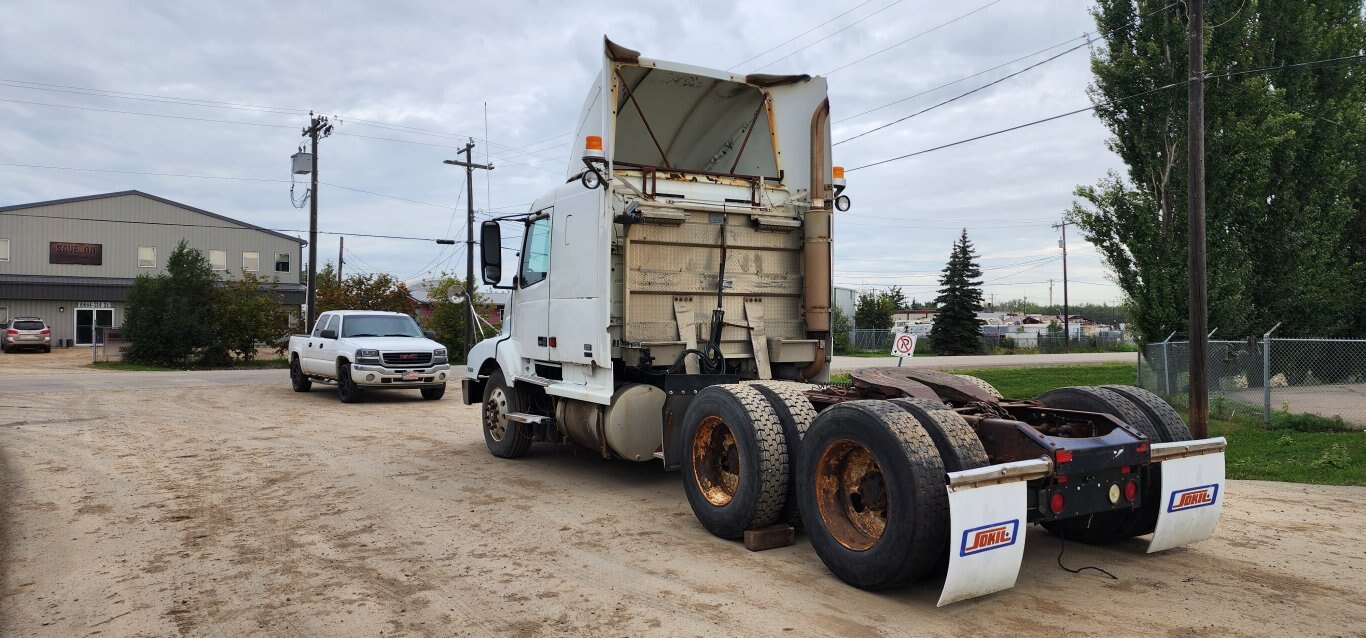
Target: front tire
(346, 387)
(434, 394)
(872, 495)
(297, 379)
(505, 439)
(736, 471)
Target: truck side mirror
(430, 334)
(491, 252)
(329, 334)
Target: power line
(278, 230)
(835, 33)
(223, 177)
(789, 40)
(1301, 65)
(960, 95)
(1005, 64)
(173, 117)
(922, 33)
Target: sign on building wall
(62, 252)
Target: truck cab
(688, 245)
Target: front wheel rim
(496, 414)
(716, 461)
(852, 495)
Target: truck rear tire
(795, 413)
(957, 443)
(1106, 527)
(736, 469)
(872, 494)
(981, 384)
(297, 379)
(1166, 422)
(505, 439)
(346, 387)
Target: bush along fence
(1001, 343)
(1326, 377)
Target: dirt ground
(251, 510)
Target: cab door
(531, 311)
(310, 359)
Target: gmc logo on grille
(406, 357)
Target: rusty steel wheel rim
(716, 461)
(496, 414)
(852, 495)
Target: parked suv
(26, 332)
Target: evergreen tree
(843, 328)
(956, 329)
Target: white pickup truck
(362, 349)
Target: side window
(281, 262)
(536, 252)
(147, 256)
(320, 325)
(4, 250)
(251, 261)
(218, 259)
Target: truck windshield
(379, 326)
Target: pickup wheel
(346, 387)
(872, 494)
(433, 394)
(504, 438)
(297, 378)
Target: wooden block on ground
(771, 537)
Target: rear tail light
(1061, 478)
(1124, 470)
(45, 331)
(11, 331)
(1130, 491)
(1063, 456)
(1142, 447)
(1056, 502)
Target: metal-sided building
(72, 261)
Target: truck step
(534, 379)
(523, 417)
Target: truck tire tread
(981, 383)
(957, 443)
(795, 413)
(759, 497)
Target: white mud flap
(1192, 491)
(987, 517)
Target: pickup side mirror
(430, 334)
(329, 334)
(491, 252)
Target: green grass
(878, 353)
(1027, 383)
(1298, 448)
(255, 364)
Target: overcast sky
(434, 65)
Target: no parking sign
(903, 345)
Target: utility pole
(1066, 312)
(469, 235)
(341, 248)
(317, 127)
(1195, 154)
(1050, 291)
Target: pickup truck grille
(407, 359)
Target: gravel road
(246, 509)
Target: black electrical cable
(1062, 546)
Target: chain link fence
(1326, 377)
(871, 340)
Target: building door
(88, 319)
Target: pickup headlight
(439, 355)
(367, 356)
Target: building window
(4, 315)
(251, 262)
(147, 256)
(281, 262)
(4, 250)
(218, 259)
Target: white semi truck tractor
(671, 302)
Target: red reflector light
(1142, 447)
(45, 331)
(1063, 456)
(1055, 502)
(1124, 470)
(11, 331)
(1060, 478)
(1130, 491)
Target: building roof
(71, 200)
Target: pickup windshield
(379, 326)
